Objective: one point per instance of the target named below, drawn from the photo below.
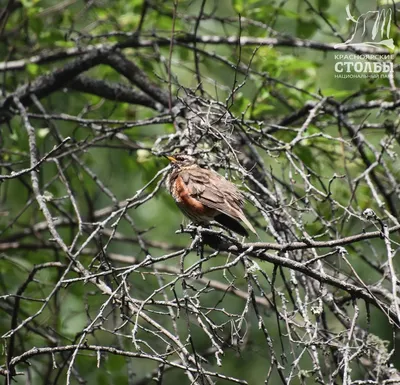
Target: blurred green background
(39, 27)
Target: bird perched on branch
(203, 195)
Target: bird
(204, 195)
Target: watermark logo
(371, 30)
(382, 21)
(353, 66)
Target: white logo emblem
(380, 30)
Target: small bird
(203, 195)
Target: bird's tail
(232, 224)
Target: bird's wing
(214, 191)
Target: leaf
(14, 136)
(36, 24)
(28, 3)
(238, 6)
(306, 28)
(48, 196)
(42, 132)
(143, 155)
(323, 5)
(32, 69)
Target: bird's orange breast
(183, 197)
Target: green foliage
(262, 85)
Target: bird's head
(181, 160)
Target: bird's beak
(171, 159)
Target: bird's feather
(232, 224)
(214, 191)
